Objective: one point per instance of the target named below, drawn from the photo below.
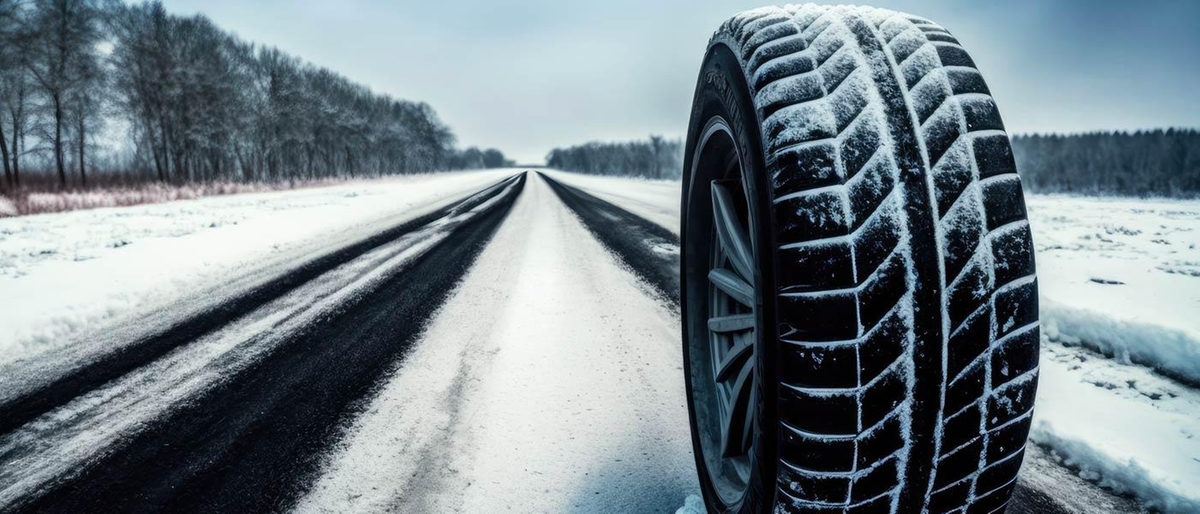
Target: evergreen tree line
(654, 157)
(192, 103)
(1143, 163)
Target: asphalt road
(251, 440)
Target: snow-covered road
(460, 348)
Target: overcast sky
(528, 75)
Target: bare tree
(62, 39)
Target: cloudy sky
(528, 75)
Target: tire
(858, 296)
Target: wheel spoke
(734, 323)
(733, 285)
(736, 359)
(730, 232)
(735, 429)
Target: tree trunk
(82, 147)
(8, 180)
(58, 144)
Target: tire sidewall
(722, 91)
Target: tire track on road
(70, 383)
(254, 442)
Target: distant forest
(191, 103)
(1143, 163)
(654, 157)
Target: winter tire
(859, 301)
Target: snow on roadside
(547, 383)
(1126, 427)
(654, 200)
(63, 275)
(1122, 276)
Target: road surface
(514, 351)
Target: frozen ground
(61, 274)
(1117, 276)
(539, 384)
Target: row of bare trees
(654, 157)
(1141, 163)
(191, 102)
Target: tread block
(952, 175)
(906, 43)
(968, 292)
(766, 35)
(787, 91)
(954, 55)
(884, 344)
(928, 95)
(818, 414)
(883, 290)
(783, 46)
(1012, 253)
(875, 482)
(966, 80)
(961, 429)
(871, 186)
(782, 67)
(980, 113)
(1003, 441)
(818, 366)
(835, 456)
(798, 124)
(804, 167)
(960, 464)
(920, 63)
(942, 130)
(999, 474)
(1015, 355)
(860, 141)
(991, 500)
(837, 68)
(812, 487)
(993, 155)
(1011, 401)
(811, 217)
(831, 318)
(1014, 307)
(817, 267)
(966, 390)
(951, 498)
(883, 397)
(850, 99)
(748, 30)
(880, 505)
(962, 231)
(877, 238)
(969, 342)
(885, 440)
(1003, 202)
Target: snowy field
(535, 319)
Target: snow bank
(1122, 426)
(1172, 351)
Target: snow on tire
(859, 299)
